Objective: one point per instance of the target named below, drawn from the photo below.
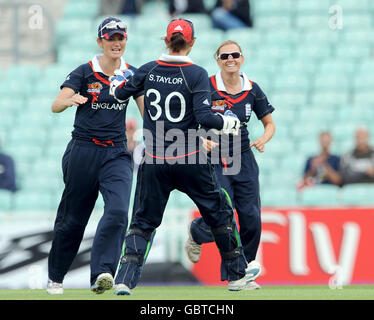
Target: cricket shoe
(253, 270)
(238, 285)
(252, 285)
(243, 284)
(193, 249)
(54, 287)
(103, 282)
(122, 290)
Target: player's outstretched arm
(117, 81)
(67, 98)
(127, 84)
(226, 124)
(221, 124)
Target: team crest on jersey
(94, 87)
(218, 105)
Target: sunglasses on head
(225, 56)
(114, 25)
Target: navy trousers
(243, 189)
(87, 169)
(198, 181)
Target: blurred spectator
(7, 172)
(113, 7)
(357, 166)
(178, 7)
(324, 167)
(110, 7)
(230, 14)
(131, 7)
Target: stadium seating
(357, 194)
(320, 195)
(6, 199)
(316, 78)
(278, 197)
(32, 200)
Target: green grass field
(352, 292)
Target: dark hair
(177, 42)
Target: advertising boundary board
(306, 246)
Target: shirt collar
(96, 65)
(246, 85)
(168, 57)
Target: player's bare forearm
(60, 105)
(269, 130)
(140, 103)
(67, 98)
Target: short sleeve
(201, 81)
(138, 93)
(200, 87)
(262, 106)
(74, 80)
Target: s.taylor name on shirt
(167, 80)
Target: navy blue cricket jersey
(242, 104)
(102, 117)
(176, 98)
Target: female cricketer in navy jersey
(232, 90)
(176, 99)
(96, 160)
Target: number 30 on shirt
(156, 101)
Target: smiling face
(114, 47)
(230, 65)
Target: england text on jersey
(108, 106)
